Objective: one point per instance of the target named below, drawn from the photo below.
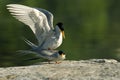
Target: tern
(51, 55)
(41, 23)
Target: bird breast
(53, 42)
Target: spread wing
(39, 20)
(49, 16)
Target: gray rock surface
(95, 69)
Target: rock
(94, 69)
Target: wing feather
(49, 16)
(36, 19)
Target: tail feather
(37, 54)
(32, 45)
(36, 58)
(25, 52)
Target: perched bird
(51, 55)
(41, 23)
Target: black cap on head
(60, 25)
(61, 52)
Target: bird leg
(49, 49)
(57, 62)
(49, 62)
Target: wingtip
(8, 5)
(13, 5)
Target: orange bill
(63, 34)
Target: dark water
(92, 29)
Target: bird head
(60, 25)
(62, 54)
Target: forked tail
(32, 45)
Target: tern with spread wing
(41, 23)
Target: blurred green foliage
(92, 29)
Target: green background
(92, 29)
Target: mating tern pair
(41, 23)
